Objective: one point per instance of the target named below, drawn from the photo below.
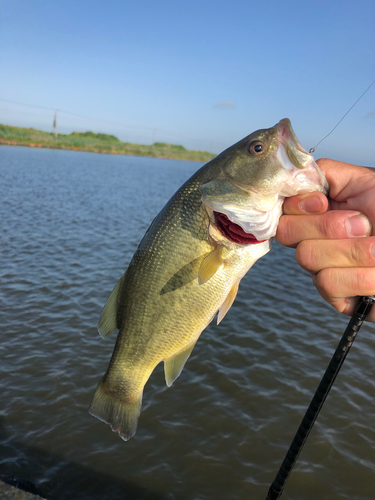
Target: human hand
(334, 238)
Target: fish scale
(186, 269)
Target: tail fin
(121, 416)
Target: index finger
(332, 225)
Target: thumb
(346, 180)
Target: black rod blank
(360, 313)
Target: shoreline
(93, 142)
(94, 150)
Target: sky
(203, 74)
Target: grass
(96, 143)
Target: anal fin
(210, 265)
(227, 304)
(174, 365)
(108, 318)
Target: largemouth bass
(191, 260)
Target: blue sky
(199, 73)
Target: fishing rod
(363, 308)
(355, 323)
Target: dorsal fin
(210, 265)
(227, 304)
(108, 318)
(174, 365)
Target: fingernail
(358, 225)
(373, 251)
(311, 205)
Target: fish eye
(256, 148)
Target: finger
(334, 224)
(351, 304)
(309, 203)
(315, 255)
(342, 287)
(346, 180)
(351, 187)
(348, 305)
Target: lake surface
(70, 223)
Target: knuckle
(365, 281)
(361, 252)
(330, 282)
(285, 234)
(323, 282)
(357, 279)
(305, 255)
(330, 226)
(356, 253)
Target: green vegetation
(93, 136)
(97, 143)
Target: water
(70, 224)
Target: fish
(190, 262)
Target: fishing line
(338, 123)
(355, 323)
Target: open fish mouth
(247, 211)
(287, 134)
(233, 232)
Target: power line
(75, 114)
(117, 124)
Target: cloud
(224, 104)
(371, 114)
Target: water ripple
(71, 222)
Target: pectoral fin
(227, 304)
(174, 365)
(108, 318)
(210, 265)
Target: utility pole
(55, 124)
(153, 135)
